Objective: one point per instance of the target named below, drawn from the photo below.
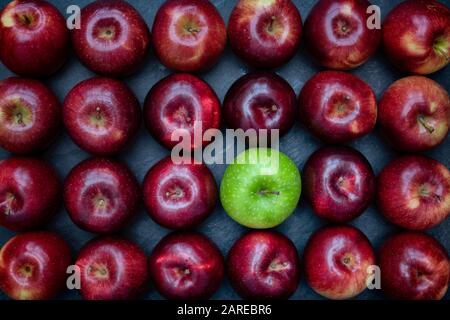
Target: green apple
(261, 188)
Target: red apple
(337, 106)
(188, 35)
(265, 33)
(101, 115)
(179, 196)
(414, 266)
(33, 265)
(113, 38)
(336, 262)
(29, 115)
(337, 35)
(176, 103)
(112, 268)
(186, 266)
(34, 38)
(264, 265)
(101, 195)
(339, 183)
(260, 100)
(414, 114)
(416, 36)
(29, 193)
(414, 192)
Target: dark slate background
(144, 151)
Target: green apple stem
(268, 192)
(422, 121)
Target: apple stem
(442, 52)
(268, 192)
(19, 118)
(422, 121)
(192, 29)
(272, 21)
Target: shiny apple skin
(414, 266)
(112, 268)
(338, 107)
(113, 38)
(260, 100)
(179, 196)
(264, 265)
(411, 45)
(101, 115)
(30, 115)
(414, 192)
(414, 114)
(176, 103)
(188, 35)
(39, 48)
(337, 36)
(326, 270)
(33, 265)
(101, 195)
(265, 34)
(339, 183)
(29, 193)
(186, 266)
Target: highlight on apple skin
(414, 114)
(413, 192)
(188, 35)
(113, 38)
(33, 265)
(265, 33)
(261, 188)
(414, 266)
(337, 36)
(35, 41)
(419, 48)
(336, 261)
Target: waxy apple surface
(414, 192)
(34, 38)
(30, 115)
(179, 196)
(113, 38)
(177, 104)
(188, 35)
(414, 114)
(260, 100)
(261, 188)
(186, 266)
(265, 33)
(112, 268)
(101, 195)
(337, 33)
(416, 36)
(33, 265)
(29, 193)
(101, 115)
(336, 262)
(337, 106)
(414, 266)
(339, 183)
(264, 265)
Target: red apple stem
(442, 52)
(19, 117)
(272, 21)
(422, 121)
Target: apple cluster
(102, 116)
